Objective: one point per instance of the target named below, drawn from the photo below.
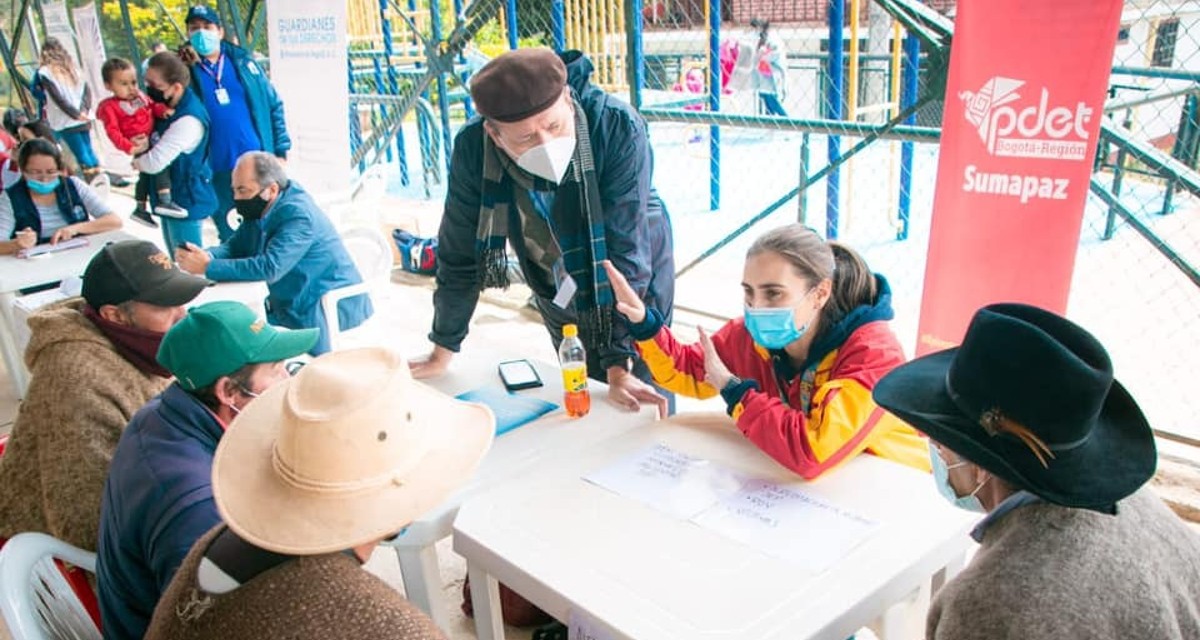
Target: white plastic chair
(372, 255)
(36, 601)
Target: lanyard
(220, 66)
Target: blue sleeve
(625, 196)
(235, 246)
(170, 542)
(458, 283)
(284, 249)
(283, 142)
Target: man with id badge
(246, 113)
(560, 171)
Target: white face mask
(550, 160)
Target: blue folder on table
(511, 410)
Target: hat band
(296, 480)
(967, 409)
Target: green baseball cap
(218, 338)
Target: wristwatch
(733, 382)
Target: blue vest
(25, 212)
(191, 179)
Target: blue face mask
(205, 42)
(941, 476)
(43, 188)
(774, 328)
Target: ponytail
(853, 284)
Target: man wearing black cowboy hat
(1028, 425)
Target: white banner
(92, 56)
(308, 69)
(58, 25)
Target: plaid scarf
(582, 249)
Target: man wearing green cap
(158, 498)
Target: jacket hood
(60, 323)
(579, 70)
(833, 337)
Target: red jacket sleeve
(109, 113)
(679, 368)
(159, 109)
(841, 419)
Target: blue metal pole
(910, 73)
(393, 88)
(558, 25)
(383, 110)
(462, 59)
(636, 53)
(837, 23)
(355, 127)
(435, 21)
(714, 103)
(510, 20)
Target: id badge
(565, 284)
(222, 96)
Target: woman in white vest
(68, 103)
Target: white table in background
(19, 273)
(633, 572)
(523, 450)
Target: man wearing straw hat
(1027, 425)
(309, 478)
(158, 496)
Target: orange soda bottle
(573, 359)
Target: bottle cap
(570, 331)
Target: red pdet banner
(1024, 100)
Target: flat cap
(519, 84)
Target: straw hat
(350, 450)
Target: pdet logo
(1036, 131)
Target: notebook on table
(512, 410)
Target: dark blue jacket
(266, 109)
(297, 251)
(637, 227)
(25, 212)
(191, 179)
(157, 502)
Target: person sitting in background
(797, 371)
(47, 205)
(128, 117)
(1027, 424)
(92, 365)
(309, 479)
(158, 496)
(286, 240)
(9, 140)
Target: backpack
(417, 255)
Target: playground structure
(872, 113)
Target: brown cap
(519, 84)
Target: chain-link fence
(762, 114)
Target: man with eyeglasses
(158, 497)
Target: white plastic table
(580, 551)
(18, 273)
(520, 451)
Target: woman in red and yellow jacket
(797, 371)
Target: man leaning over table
(286, 240)
(158, 497)
(562, 172)
(92, 365)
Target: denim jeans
(79, 140)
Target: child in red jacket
(128, 117)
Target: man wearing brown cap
(92, 365)
(561, 171)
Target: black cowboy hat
(1024, 377)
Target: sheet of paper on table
(779, 520)
(787, 523)
(668, 480)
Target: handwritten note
(787, 523)
(668, 480)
